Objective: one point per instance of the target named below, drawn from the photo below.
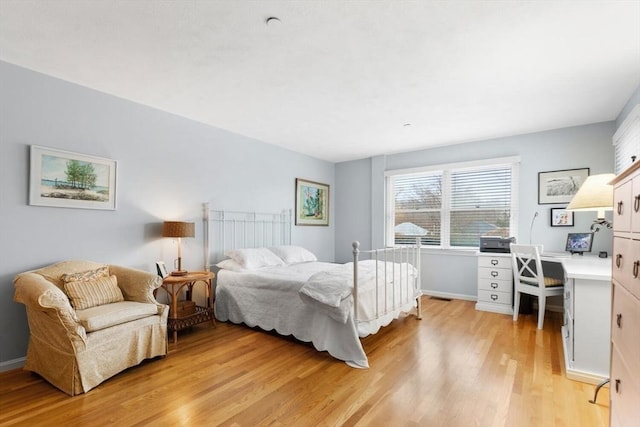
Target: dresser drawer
(623, 391)
(495, 273)
(495, 285)
(625, 327)
(495, 262)
(622, 207)
(495, 297)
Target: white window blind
(451, 207)
(626, 141)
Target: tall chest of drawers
(625, 313)
(495, 283)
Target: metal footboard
(398, 286)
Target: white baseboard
(10, 365)
(448, 295)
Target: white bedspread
(273, 298)
(269, 299)
(379, 302)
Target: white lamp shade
(596, 194)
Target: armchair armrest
(137, 285)
(39, 295)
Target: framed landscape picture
(312, 203)
(560, 186)
(71, 180)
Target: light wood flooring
(456, 367)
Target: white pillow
(231, 265)
(254, 258)
(293, 254)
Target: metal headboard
(225, 230)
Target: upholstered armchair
(90, 321)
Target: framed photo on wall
(560, 217)
(71, 180)
(312, 203)
(560, 186)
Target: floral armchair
(90, 321)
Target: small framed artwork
(560, 186)
(71, 180)
(560, 217)
(312, 203)
(162, 269)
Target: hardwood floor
(456, 367)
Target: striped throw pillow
(91, 293)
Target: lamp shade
(178, 229)
(596, 194)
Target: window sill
(455, 252)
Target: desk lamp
(178, 230)
(596, 194)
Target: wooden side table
(173, 285)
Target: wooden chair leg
(542, 301)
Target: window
(451, 206)
(626, 141)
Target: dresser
(495, 283)
(625, 314)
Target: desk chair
(529, 278)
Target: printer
(496, 244)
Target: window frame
(445, 210)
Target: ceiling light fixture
(273, 20)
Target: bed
(264, 281)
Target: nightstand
(178, 319)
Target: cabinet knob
(619, 320)
(618, 260)
(636, 203)
(494, 274)
(636, 268)
(494, 297)
(494, 285)
(618, 384)
(494, 262)
(620, 207)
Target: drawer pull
(619, 320)
(494, 262)
(636, 267)
(494, 297)
(636, 203)
(618, 385)
(494, 285)
(620, 207)
(618, 260)
(494, 274)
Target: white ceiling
(338, 80)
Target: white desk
(586, 329)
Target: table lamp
(178, 230)
(596, 194)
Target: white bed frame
(225, 230)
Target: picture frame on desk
(560, 217)
(161, 267)
(556, 187)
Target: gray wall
(454, 273)
(634, 100)
(167, 167)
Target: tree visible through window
(451, 207)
